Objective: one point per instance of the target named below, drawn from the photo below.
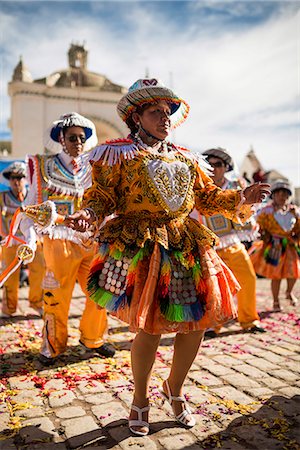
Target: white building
(37, 103)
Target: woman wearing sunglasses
(230, 247)
(156, 268)
(62, 178)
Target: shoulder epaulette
(113, 151)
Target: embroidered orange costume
(156, 268)
(55, 178)
(277, 255)
(9, 203)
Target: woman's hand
(81, 220)
(256, 193)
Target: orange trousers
(66, 263)
(238, 261)
(11, 286)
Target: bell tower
(78, 56)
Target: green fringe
(197, 269)
(284, 243)
(137, 257)
(174, 313)
(116, 254)
(101, 297)
(92, 284)
(179, 256)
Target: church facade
(37, 103)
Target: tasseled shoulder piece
(113, 152)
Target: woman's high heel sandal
(183, 416)
(139, 422)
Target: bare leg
(289, 294)
(143, 353)
(186, 347)
(275, 286)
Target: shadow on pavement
(274, 426)
(33, 438)
(20, 362)
(32, 316)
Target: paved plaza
(243, 388)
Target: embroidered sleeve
(102, 196)
(210, 199)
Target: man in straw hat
(277, 255)
(10, 201)
(230, 247)
(62, 178)
(156, 268)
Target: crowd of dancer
(152, 233)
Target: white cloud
(241, 82)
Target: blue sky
(236, 63)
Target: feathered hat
(73, 119)
(150, 90)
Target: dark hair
(133, 127)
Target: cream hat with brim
(17, 168)
(151, 90)
(281, 184)
(222, 154)
(73, 119)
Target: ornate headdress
(149, 91)
(221, 153)
(73, 119)
(17, 168)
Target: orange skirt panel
(288, 266)
(144, 311)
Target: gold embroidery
(161, 188)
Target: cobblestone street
(244, 388)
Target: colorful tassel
(165, 274)
(182, 313)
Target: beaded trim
(60, 180)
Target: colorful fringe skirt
(154, 289)
(277, 260)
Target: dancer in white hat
(156, 268)
(277, 255)
(62, 179)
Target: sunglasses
(14, 177)
(74, 138)
(217, 164)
